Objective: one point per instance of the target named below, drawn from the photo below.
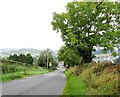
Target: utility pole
(47, 57)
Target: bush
(11, 67)
(97, 78)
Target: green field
(92, 79)
(16, 71)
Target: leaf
(82, 26)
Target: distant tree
(47, 57)
(13, 57)
(10, 57)
(22, 58)
(85, 25)
(51, 57)
(42, 61)
(29, 59)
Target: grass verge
(16, 71)
(92, 79)
(17, 75)
(74, 85)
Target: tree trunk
(87, 56)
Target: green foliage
(69, 56)
(28, 59)
(22, 58)
(85, 25)
(75, 86)
(93, 79)
(13, 57)
(46, 57)
(15, 67)
(22, 74)
(42, 61)
(11, 71)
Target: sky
(27, 23)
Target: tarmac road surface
(46, 84)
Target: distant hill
(5, 52)
(99, 51)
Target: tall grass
(93, 79)
(16, 71)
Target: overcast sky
(27, 23)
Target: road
(46, 84)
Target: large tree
(86, 25)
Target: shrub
(99, 78)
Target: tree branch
(99, 4)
